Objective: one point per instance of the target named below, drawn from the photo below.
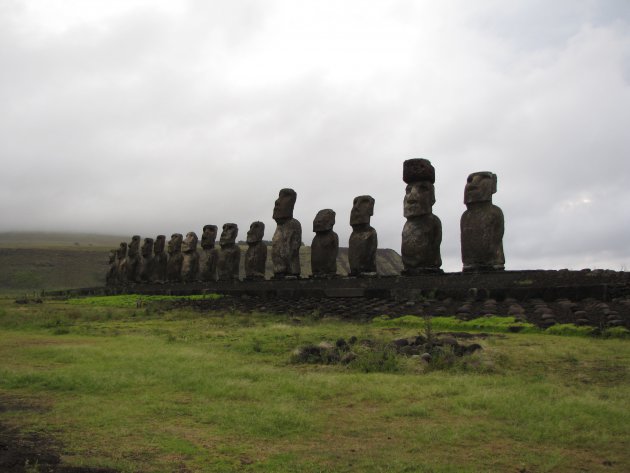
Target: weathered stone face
(479, 187)
(256, 232)
(422, 234)
(482, 225)
(419, 199)
(283, 208)
(362, 210)
(121, 253)
(190, 262)
(158, 246)
(134, 247)
(416, 170)
(160, 259)
(175, 259)
(145, 273)
(190, 243)
(228, 235)
(363, 240)
(324, 221)
(147, 247)
(208, 237)
(175, 244)
(133, 259)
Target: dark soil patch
(29, 452)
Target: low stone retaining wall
(599, 297)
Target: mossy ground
(147, 389)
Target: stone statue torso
(285, 252)
(228, 263)
(255, 260)
(421, 239)
(482, 228)
(362, 251)
(324, 250)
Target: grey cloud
(136, 125)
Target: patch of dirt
(29, 452)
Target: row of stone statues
(481, 224)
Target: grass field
(158, 391)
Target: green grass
(489, 324)
(494, 324)
(153, 390)
(136, 300)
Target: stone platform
(596, 297)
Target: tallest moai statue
(482, 225)
(285, 250)
(422, 234)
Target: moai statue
(422, 234)
(285, 252)
(363, 239)
(209, 255)
(112, 273)
(160, 259)
(190, 261)
(482, 225)
(121, 263)
(325, 246)
(147, 263)
(230, 254)
(175, 258)
(256, 254)
(133, 259)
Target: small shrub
(380, 358)
(569, 329)
(616, 332)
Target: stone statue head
(208, 237)
(283, 208)
(112, 255)
(415, 170)
(228, 235)
(362, 210)
(134, 246)
(324, 220)
(419, 174)
(122, 250)
(158, 246)
(479, 187)
(175, 243)
(189, 245)
(256, 232)
(147, 247)
(419, 199)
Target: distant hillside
(43, 240)
(35, 261)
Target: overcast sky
(147, 117)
